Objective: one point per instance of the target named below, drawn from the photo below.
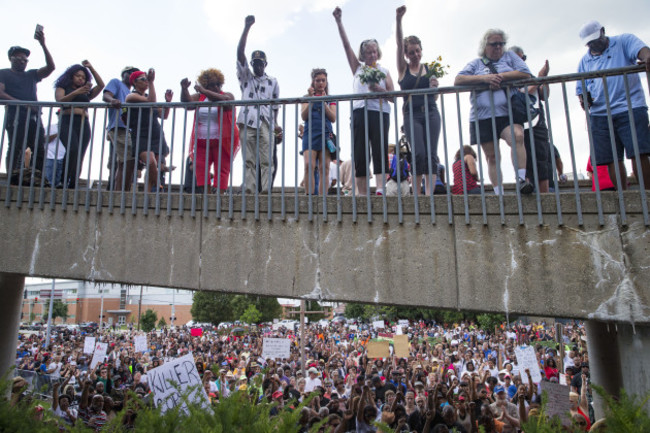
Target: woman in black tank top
(421, 116)
(75, 85)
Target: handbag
(521, 106)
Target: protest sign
(558, 401)
(401, 344)
(378, 349)
(378, 324)
(196, 332)
(398, 331)
(527, 359)
(403, 322)
(176, 378)
(276, 348)
(140, 343)
(89, 345)
(99, 354)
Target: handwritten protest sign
(401, 344)
(89, 345)
(176, 378)
(403, 322)
(527, 359)
(558, 401)
(99, 354)
(140, 343)
(276, 348)
(378, 349)
(378, 324)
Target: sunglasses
(496, 44)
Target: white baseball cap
(590, 31)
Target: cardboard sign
(527, 359)
(378, 324)
(140, 343)
(276, 348)
(99, 354)
(175, 378)
(558, 401)
(378, 349)
(89, 345)
(401, 344)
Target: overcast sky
(180, 38)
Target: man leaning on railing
(607, 52)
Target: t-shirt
(507, 63)
(19, 85)
(119, 91)
(54, 147)
(358, 87)
(622, 51)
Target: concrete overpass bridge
(572, 253)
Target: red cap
(277, 394)
(135, 75)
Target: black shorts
(485, 129)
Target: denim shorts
(622, 135)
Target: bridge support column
(11, 290)
(618, 355)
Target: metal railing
(90, 180)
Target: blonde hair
(211, 75)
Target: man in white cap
(607, 52)
(312, 381)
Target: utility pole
(49, 315)
(302, 313)
(101, 310)
(139, 308)
(173, 307)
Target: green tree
(213, 307)
(269, 308)
(489, 321)
(314, 306)
(251, 315)
(59, 309)
(148, 320)
(353, 310)
(162, 322)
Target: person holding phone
(23, 124)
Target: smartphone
(39, 28)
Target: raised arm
(401, 62)
(99, 83)
(185, 93)
(349, 52)
(241, 47)
(46, 70)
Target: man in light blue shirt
(607, 52)
(115, 94)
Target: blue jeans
(49, 171)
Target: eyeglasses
(496, 44)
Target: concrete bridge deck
(536, 261)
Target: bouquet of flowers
(436, 68)
(370, 75)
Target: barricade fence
(209, 158)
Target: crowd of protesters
(137, 136)
(456, 376)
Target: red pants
(213, 151)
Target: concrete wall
(482, 261)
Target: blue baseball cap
(498, 389)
